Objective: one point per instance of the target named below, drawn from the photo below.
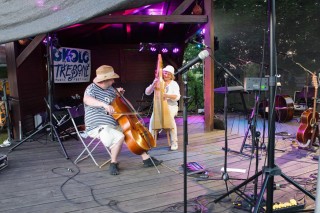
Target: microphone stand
(226, 75)
(228, 72)
(183, 71)
(185, 135)
(185, 138)
(53, 130)
(203, 54)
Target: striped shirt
(96, 116)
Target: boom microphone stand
(202, 55)
(185, 136)
(226, 75)
(50, 125)
(271, 170)
(225, 176)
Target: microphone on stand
(202, 55)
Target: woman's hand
(169, 96)
(165, 96)
(155, 82)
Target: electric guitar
(308, 129)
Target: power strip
(290, 209)
(287, 207)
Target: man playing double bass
(97, 100)
(172, 96)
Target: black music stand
(49, 124)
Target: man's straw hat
(105, 72)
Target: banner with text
(71, 65)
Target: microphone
(202, 55)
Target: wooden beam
(13, 87)
(181, 19)
(209, 70)
(182, 7)
(28, 50)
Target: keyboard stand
(235, 89)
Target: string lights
(164, 48)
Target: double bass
(308, 129)
(284, 108)
(137, 136)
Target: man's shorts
(107, 134)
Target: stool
(156, 131)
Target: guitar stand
(310, 147)
(251, 128)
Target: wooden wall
(136, 70)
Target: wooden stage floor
(40, 179)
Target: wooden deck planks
(37, 171)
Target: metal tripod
(49, 124)
(252, 126)
(225, 176)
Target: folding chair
(90, 143)
(60, 120)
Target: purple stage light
(153, 49)
(164, 50)
(45, 39)
(175, 50)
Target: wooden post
(209, 69)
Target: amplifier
(256, 84)
(3, 161)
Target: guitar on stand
(308, 130)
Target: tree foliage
(195, 78)
(243, 29)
